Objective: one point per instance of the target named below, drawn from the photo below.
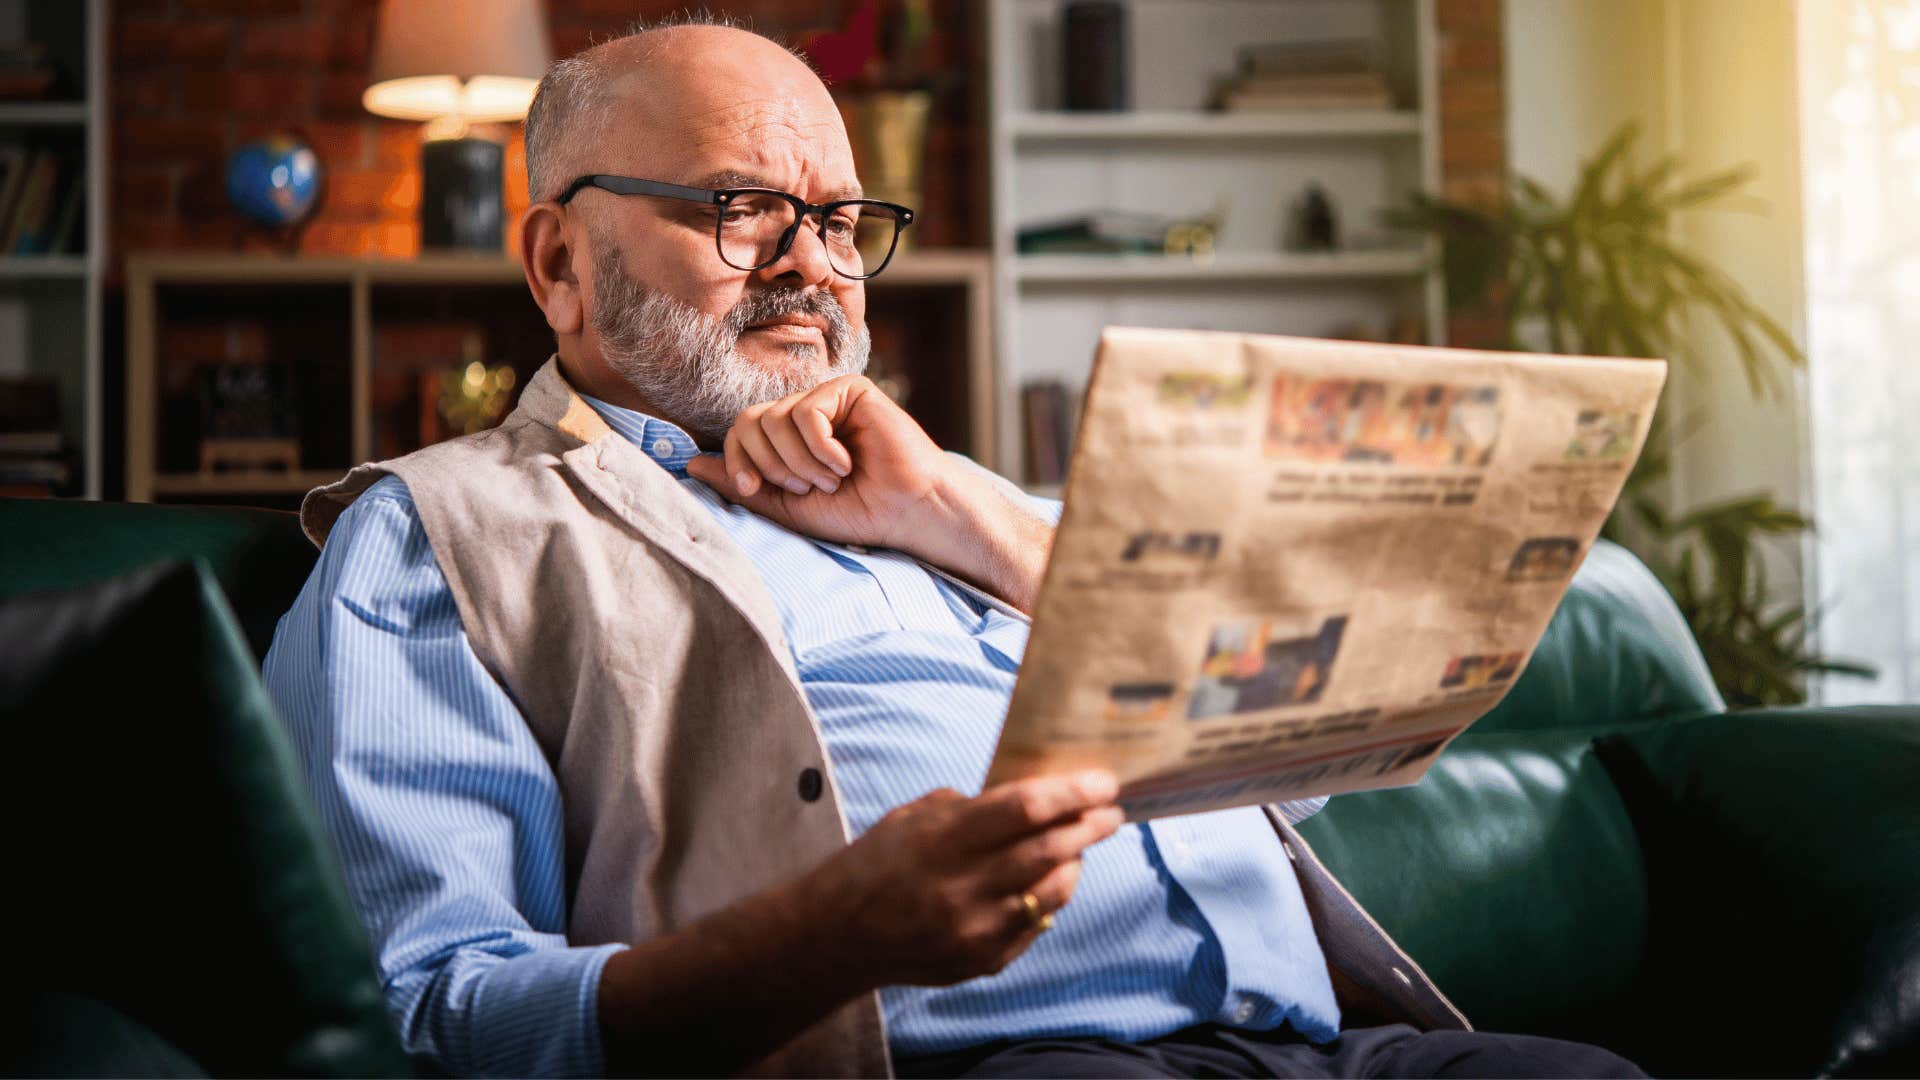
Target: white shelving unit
(1189, 126)
(1170, 156)
(1284, 266)
(50, 304)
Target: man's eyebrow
(730, 179)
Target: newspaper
(1290, 567)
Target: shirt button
(1243, 1012)
(662, 448)
(810, 785)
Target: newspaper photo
(1290, 567)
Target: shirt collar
(664, 443)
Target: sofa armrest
(1783, 882)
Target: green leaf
(1707, 190)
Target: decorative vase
(888, 129)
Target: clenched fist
(841, 462)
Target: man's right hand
(932, 894)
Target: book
(13, 174)
(25, 72)
(52, 472)
(1101, 232)
(1351, 90)
(1233, 101)
(1046, 409)
(1344, 82)
(30, 442)
(64, 238)
(1335, 74)
(30, 213)
(1307, 57)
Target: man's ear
(546, 256)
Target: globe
(275, 180)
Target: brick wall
(1473, 128)
(195, 79)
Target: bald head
(671, 92)
(648, 311)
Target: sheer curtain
(1860, 140)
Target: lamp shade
(477, 60)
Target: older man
(594, 716)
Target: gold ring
(1042, 920)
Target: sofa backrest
(1617, 652)
(1513, 872)
(260, 557)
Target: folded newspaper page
(1290, 567)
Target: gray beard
(688, 365)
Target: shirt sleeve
(445, 811)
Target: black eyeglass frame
(632, 185)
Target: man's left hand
(841, 462)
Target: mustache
(757, 307)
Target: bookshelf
(357, 336)
(1191, 126)
(1115, 270)
(50, 294)
(1170, 155)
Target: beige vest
(646, 656)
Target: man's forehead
(769, 140)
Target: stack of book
(33, 457)
(1104, 232)
(42, 194)
(25, 72)
(1282, 76)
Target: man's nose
(805, 262)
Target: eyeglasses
(754, 227)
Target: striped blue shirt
(448, 815)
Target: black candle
(1095, 41)
(461, 202)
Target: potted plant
(1599, 273)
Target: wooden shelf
(1065, 127)
(941, 292)
(935, 266)
(44, 113)
(221, 269)
(244, 483)
(1122, 269)
(43, 267)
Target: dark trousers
(1214, 1051)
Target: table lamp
(453, 64)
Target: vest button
(810, 785)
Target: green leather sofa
(1608, 856)
(176, 908)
